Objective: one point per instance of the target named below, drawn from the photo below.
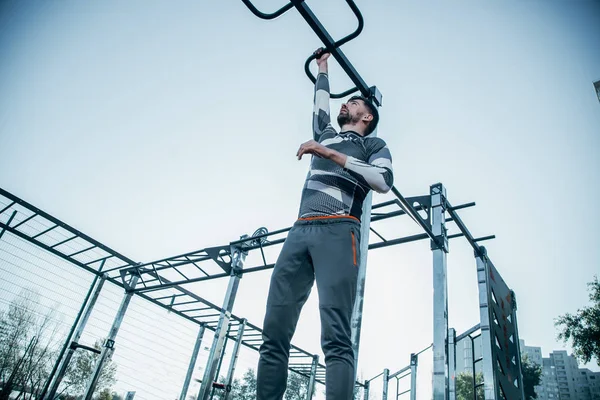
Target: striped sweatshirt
(331, 190)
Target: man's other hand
(314, 148)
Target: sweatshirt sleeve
(321, 117)
(377, 172)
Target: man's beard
(346, 118)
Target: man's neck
(351, 128)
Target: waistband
(327, 219)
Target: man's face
(351, 112)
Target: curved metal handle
(262, 15)
(346, 39)
(359, 28)
(314, 80)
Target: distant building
(561, 376)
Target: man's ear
(367, 117)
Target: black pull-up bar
(331, 46)
(262, 15)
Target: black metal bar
(62, 224)
(25, 220)
(82, 251)
(329, 43)
(378, 235)
(481, 239)
(45, 231)
(252, 238)
(12, 216)
(388, 215)
(262, 15)
(413, 213)
(200, 279)
(12, 204)
(467, 333)
(271, 243)
(425, 349)
(384, 204)
(464, 230)
(392, 242)
(461, 206)
(64, 241)
(88, 348)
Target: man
(324, 242)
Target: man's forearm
(323, 68)
(337, 157)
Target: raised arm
(321, 117)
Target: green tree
(105, 395)
(464, 386)
(532, 374)
(29, 346)
(80, 369)
(583, 328)
(240, 390)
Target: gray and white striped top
(331, 190)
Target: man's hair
(372, 110)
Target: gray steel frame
(156, 282)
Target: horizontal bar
(263, 15)
(481, 239)
(25, 220)
(467, 333)
(425, 349)
(464, 230)
(461, 206)
(7, 207)
(82, 251)
(63, 225)
(251, 238)
(384, 204)
(88, 348)
(44, 231)
(403, 370)
(413, 213)
(391, 214)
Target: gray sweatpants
(325, 249)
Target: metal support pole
(109, 344)
(212, 391)
(237, 263)
(367, 384)
(190, 371)
(517, 342)
(357, 311)
(452, 363)
(489, 379)
(234, 358)
(313, 376)
(386, 379)
(75, 341)
(439, 248)
(70, 335)
(414, 362)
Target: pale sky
(164, 127)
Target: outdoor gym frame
(163, 282)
